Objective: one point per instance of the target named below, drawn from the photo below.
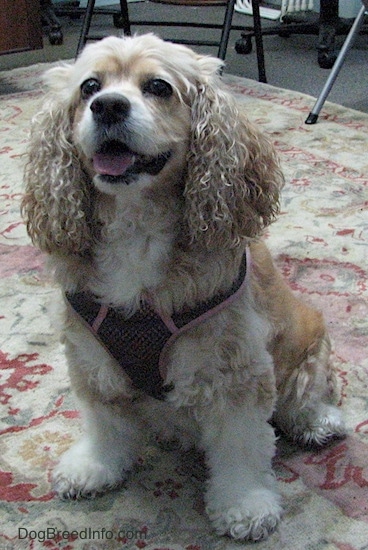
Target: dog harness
(140, 342)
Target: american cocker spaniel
(149, 189)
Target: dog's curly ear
(234, 179)
(56, 205)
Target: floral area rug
(320, 244)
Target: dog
(149, 190)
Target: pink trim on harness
(177, 332)
(100, 318)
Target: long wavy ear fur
(233, 183)
(57, 202)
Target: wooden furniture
(20, 26)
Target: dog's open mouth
(115, 162)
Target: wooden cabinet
(20, 26)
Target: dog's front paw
(81, 475)
(253, 518)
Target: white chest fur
(131, 257)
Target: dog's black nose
(110, 108)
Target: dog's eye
(157, 87)
(90, 87)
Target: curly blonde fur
(146, 183)
(58, 212)
(233, 189)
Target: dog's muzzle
(114, 161)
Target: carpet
(320, 244)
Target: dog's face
(130, 122)
(132, 113)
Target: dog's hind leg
(305, 409)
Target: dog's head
(140, 112)
(132, 115)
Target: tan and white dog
(149, 189)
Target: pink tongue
(112, 165)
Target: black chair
(357, 25)
(123, 21)
(327, 25)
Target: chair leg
(85, 26)
(259, 41)
(226, 28)
(123, 17)
(313, 115)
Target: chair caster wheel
(326, 60)
(118, 20)
(243, 46)
(55, 37)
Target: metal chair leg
(121, 20)
(259, 41)
(85, 26)
(313, 115)
(225, 34)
